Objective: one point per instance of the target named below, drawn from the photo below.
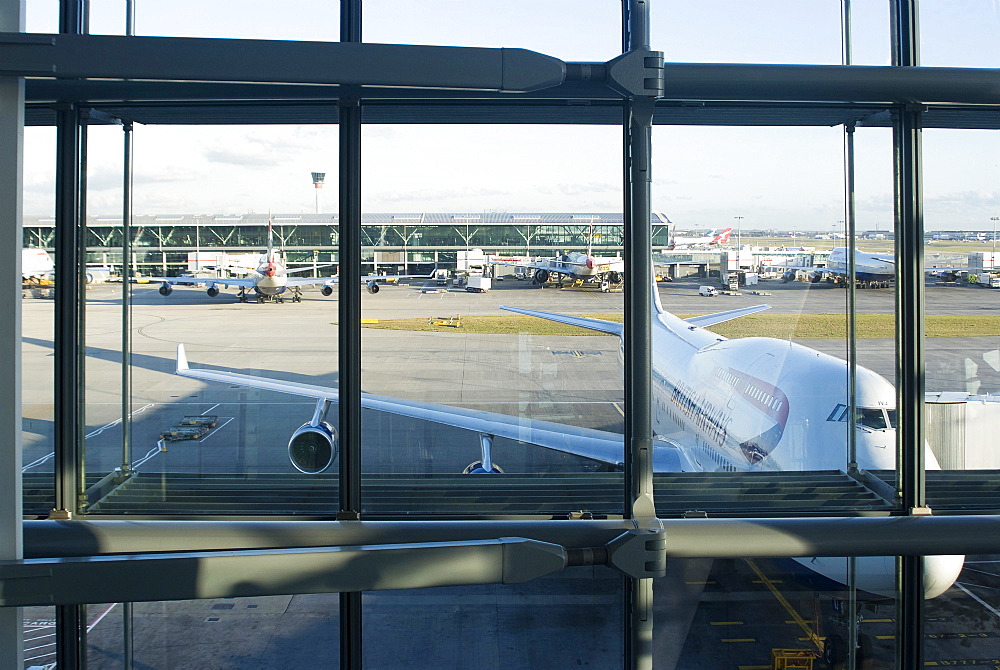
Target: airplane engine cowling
(476, 468)
(166, 289)
(326, 290)
(814, 277)
(541, 276)
(212, 291)
(372, 287)
(313, 448)
(614, 277)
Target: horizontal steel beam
(685, 538)
(835, 83)
(276, 61)
(184, 576)
(194, 61)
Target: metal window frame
(621, 94)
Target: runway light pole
(318, 179)
(993, 259)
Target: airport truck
(478, 284)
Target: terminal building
(196, 484)
(406, 243)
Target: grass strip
(781, 326)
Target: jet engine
(615, 277)
(373, 287)
(327, 290)
(212, 291)
(815, 277)
(476, 468)
(313, 447)
(166, 289)
(541, 276)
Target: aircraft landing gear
(835, 652)
(296, 294)
(242, 295)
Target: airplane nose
(940, 572)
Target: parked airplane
(36, 265)
(870, 270)
(268, 282)
(743, 405)
(710, 240)
(582, 267)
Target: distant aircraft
(605, 271)
(36, 265)
(870, 270)
(268, 282)
(710, 240)
(583, 267)
(744, 405)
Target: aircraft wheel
(865, 655)
(260, 299)
(835, 652)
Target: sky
(703, 177)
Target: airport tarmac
(572, 620)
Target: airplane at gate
(268, 282)
(870, 270)
(742, 405)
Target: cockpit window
(872, 418)
(875, 418)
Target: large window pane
(750, 612)
(778, 403)
(572, 31)
(247, 632)
(479, 356)
(571, 620)
(962, 365)
(942, 21)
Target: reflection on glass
(753, 612)
(961, 626)
(249, 632)
(574, 620)
(469, 386)
(39, 636)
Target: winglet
(182, 361)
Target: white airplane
(743, 405)
(582, 267)
(870, 270)
(710, 240)
(36, 265)
(269, 281)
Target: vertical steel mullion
(12, 17)
(909, 330)
(349, 343)
(638, 124)
(68, 344)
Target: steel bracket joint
(637, 73)
(640, 553)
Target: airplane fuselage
(757, 403)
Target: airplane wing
(609, 327)
(219, 281)
(599, 445)
(707, 320)
(307, 281)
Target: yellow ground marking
(726, 623)
(799, 621)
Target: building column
(11, 179)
